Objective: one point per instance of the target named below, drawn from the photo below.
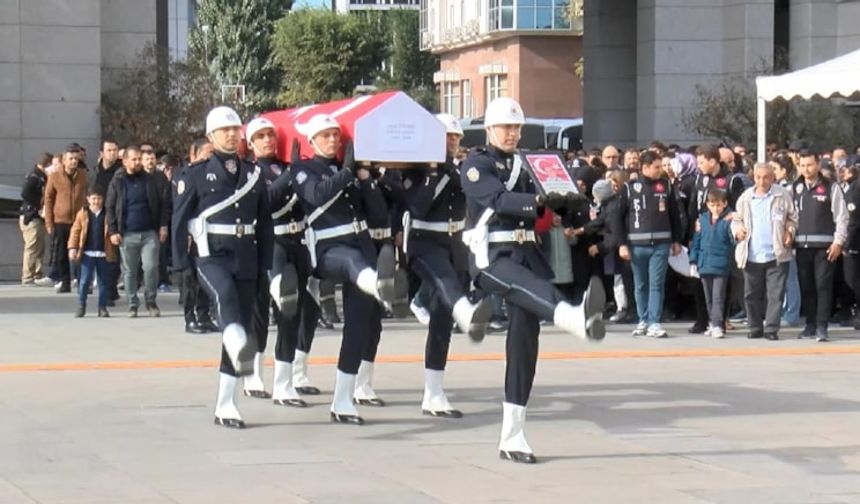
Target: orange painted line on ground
(331, 360)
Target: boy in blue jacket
(711, 257)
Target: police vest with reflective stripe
(815, 227)
(648, 211)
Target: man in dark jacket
(137, 222)
(100, 176)
(32, 224)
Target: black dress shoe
(452, 413)
(81, 311)
(347, 419)
(103, 313)
(325, 324)
(375, 401)
(309, 390)
(697, 329)
(755, 335)
(771, 336)
(295, 403)
(257, 394)
(194, 328)
(808, 332)
(230, 423)
(209, 326)
(519, 457)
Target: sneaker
(153, 310)
(420, 313)
(164, 288)
(74, 283)
(656, 331)
(44, 282)
(641, 329)
(132, 312)
(103, 313)
(81, 311)
(63, 288)
(716, 333)
(618, 316)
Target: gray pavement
(768, 422)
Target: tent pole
(761, 145)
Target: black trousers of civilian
(851, 268)
(342, 264)
(815, 274)
(234, 300)
(764, 290)
(529, 299)
(60, 252)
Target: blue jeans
(93, 267)
(791, 304)
(650, 263)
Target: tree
(160, 101)
(408, 67)
(234, 38)
(324, 56)
(727, 112)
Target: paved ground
(119, 411)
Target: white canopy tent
(839, 76)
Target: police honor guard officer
(290, 271)
(224, 206)
(336, 198)
(502, 206)
(379, 219)
(433, 230)
(822, 230)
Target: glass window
(495, 86)
(543, 19)
(562, 21)
(451, 98)
(466, 87)
(507, 21)
(526, 18)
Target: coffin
(387, 129)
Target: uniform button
(522, 223)
(236, 205)
(238, 220)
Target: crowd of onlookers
(106, 226)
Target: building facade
(524, 49)
(644, 58)
(56, 59)
(347, 6)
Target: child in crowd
(712, 256)
(90, 246)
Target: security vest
(815, 226)
(706, 183)
(648, 202)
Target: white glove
(694, 271)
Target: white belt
(379, 233)
(517, 236)
(355, 227)
(290, 229)
(449, 227)
(237, 230)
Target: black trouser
(342, 264)
(529, 300)
(195, 300)
(851, 267)
(327, 290)
(310, 315)
(60, 252)
(234, 301)
(815, 274)
(432, 263)
(289, 328)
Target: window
(542, 15)
(451, 21)
(495, 86)
(468, 109)
(501, 14)
(451, 98)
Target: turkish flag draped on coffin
(385, 128)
